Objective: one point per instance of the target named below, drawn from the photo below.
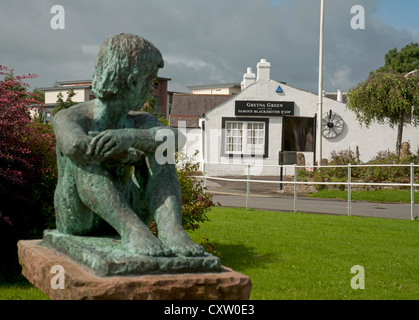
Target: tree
(390, 95)
(39, 96)
(61, 104)
(403, 61)
(14, 118)
(27, 169)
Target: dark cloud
(202, 41)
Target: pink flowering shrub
(27, 169)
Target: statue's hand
(108, 143)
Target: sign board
(287, 157)
(264, 108)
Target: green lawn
(368, 195)
(21, 291)
(307, 256)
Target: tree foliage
(385, 97)
(389, 96)
(27, 169)
(403, 61)
(195, 201)
(64, 104)
(14, 130)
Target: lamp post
(320, 102)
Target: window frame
(244, 152)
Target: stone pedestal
(37, 263)
(104, 256)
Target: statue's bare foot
(145, 243)
(180, 243)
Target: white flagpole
(320, 102)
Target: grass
(307, 256)
(367, 195)
(22, 290)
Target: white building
(267, 117)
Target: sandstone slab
(37, 261)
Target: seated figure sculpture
(107, 169)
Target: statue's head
(125, 61)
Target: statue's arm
(149, 133)
(72, 141)
(146, 140)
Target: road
(229, 197)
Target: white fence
(348, 183)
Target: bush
(324, 174)
(195, 202)
(27, 172)
(366, 174)
(27, 206)
(388, 174)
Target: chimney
(248, 78)
(263, 70)
(339, 97)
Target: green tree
(39, 95)
(61, 104)
(390, 95)
(403, 61)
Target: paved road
(263, 201)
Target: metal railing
(348, 183)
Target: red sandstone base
(37, 263)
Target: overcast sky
(209, 41)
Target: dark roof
(190, 121)
(87, 82)
(189, 107)
(215, 86)
(67, 87)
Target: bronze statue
(108, 171)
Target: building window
(255, 137)
(234, 135)
(245, 137)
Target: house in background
(83, 93)
(186, 114)
(187, 111)
(269, 121)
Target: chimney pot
(340, 95)
(263, 70)
(248, 78)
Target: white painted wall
(193, 143)
(81, 95)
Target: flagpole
(320, 93)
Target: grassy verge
(367, 195)
(307, 256)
